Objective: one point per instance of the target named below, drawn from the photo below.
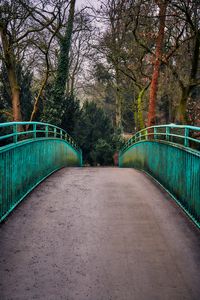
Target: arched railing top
(29, 152)
(185, 135)
(171, 155)
(14, 132)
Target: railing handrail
(27, 123)
(173, 126)
(137, 137)
(57, 131)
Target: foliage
(95, 135)
(128, 48)
(71, 114)
(102, 153)
(24, 78)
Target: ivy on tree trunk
(57, 101)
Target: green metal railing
(19, 131)
(179, 134)
(170, 154)
(29, 152)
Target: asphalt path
(99, 234)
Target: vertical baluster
(167, 133)
(186, 141)
(146, 134)
(140, 136)
(34, 130)
(15, 137)
(55, 132)
(46, 130)
(143, 135)
(155, 133)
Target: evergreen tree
(71, 114)
(24, 79)
(95, 135)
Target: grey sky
(82, 3)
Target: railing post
(135, 137)
(54, 131)
(46, 130)
(34, 131)
(146, 134)
(132, 141)
(15, 137)
(142, 133)
(154, 133)
(186, 141)
(61, 133)
(167, 133)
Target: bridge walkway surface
(99, 234)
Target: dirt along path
(99, 234)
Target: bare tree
(158, 55)
(18, 26)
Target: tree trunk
(118, 103)
(181, 111)
(118, 110)
(140, 120)
(63, 64)
(36, 103)
(154, 83)
(57, 104)
(11, 71)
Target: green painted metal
(170, 154)
(29, 152)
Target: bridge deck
(99, 234)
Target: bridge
(99, 233)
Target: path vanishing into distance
(99, 234)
